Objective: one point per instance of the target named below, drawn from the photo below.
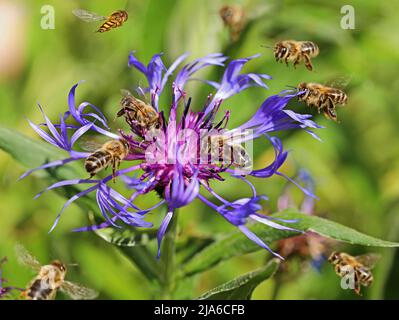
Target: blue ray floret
(170, 164)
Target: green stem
(168, 258)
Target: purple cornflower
(4, 291)
(180, 157)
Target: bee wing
(90, 144)
(126, 92)
(26, 259)
(340, 82)
(78, 292)
(369, 260)
(87, 16)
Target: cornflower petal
(162, 229)
(171, 168)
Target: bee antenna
(72, 265)
(264, 46)
(292, 87)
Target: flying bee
(322, 97)
(359, 266)
(115, 20)
(234, 18)
(110, 153)
(296, 51)
(50, 278)
(139, 115)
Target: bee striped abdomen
(39, 291)
(97, 161)
(310, 48)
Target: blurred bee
(322, 97)
(234, 18)
(138, 114)
(110, 153)
(115, 20)
(296, 51)
(50, 279)
(360, 266)
(226, 151)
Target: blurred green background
(355, 167)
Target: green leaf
(187, 247)
(241, 288)
(126, 237)
(144, 260)
(33, 153)
(237, 243)
(123, 237)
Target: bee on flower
(180, 157)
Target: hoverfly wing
(369, 260)
(26, 259)
(78, 292)
(88, 16)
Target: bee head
(126, 144)
(334, 257)
(226, 12)
(302, 87)
(59, 265)
(280, 50)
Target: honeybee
(296, 51)
(234, 18)
(115, 20)
(322, 97)
(139, 115)
(110, 153)
(225, 150)
(360, 266)
(50, 279)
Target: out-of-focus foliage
(356, 167)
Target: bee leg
(308, 62)
(286, 61)
(357, 284)
(115, 166)
(297, 60)
(23, 295)
(329, 110)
